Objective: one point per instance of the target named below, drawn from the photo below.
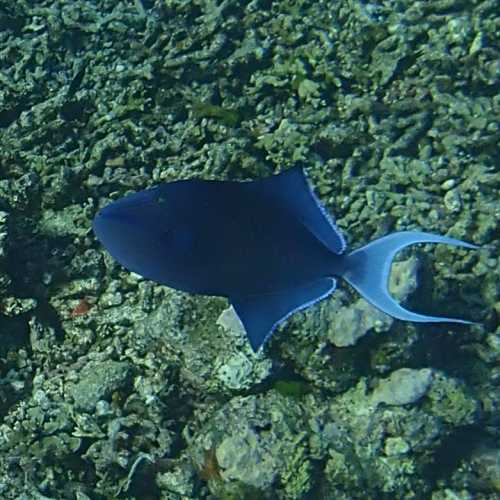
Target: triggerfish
(267, 245)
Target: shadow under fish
(267, 245)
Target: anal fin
(261, 313)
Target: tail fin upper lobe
(368, 269)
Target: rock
(396, 446)
(98, 381)
(402, 387)
(355, 321)
(452, 401)
(231, 323)
(236, 372)
(242, 458)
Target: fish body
(267, 245)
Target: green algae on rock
(98, 381)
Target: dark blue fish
(267, 245)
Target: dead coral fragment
(228, 117)
(210, 470)
(83, 307)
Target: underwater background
(112, 386)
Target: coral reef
(115, 387)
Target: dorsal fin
(292, 191)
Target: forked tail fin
(368, 269)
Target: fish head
(146, 233)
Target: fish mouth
(130, 213)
